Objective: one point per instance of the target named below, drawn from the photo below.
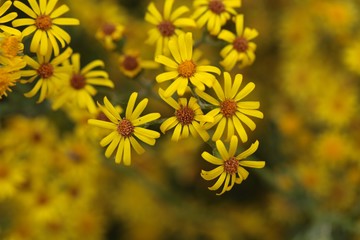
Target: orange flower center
(240, 44)
(108, 28)
(185, 115)
(216, 6)
(166, 28)
(11, 46)
(130, 63)
(231, 165)
(43, 22)
(78, 81)
(187, 68)
(45, 70)
(125, 128)
(228, 108)
(4, 172)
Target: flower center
(166, 28)
(43, 22)
(78, 81)
(216, 6)
(4, 172)
(187, 68)
(231, 165)
(185, 115)
(108, 28)
(11, 46)
(125, 128)
(130, 63)
(240, 44)
(228, 108)
(45, 70)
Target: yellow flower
(44, 20)
(124, 130)
(239, 49)
(108, 33)
(50, 74)
(166, 26)
(8, 78)
(188, 118)
(214, 12)
(77, 88)
(10, 45)
(131, 64)
(350, 56)
(230, 110)
(7, 18)
(230, 168)
(184, 68)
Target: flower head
(230, 167)
(125, 131)
(184, 68)
(214, 13)
(8, 78)
(239, 49)
(78, 87)
(188, 118)
(229, 109)
(43, 22)
(131, 64)
(109, 33)
(167, 25)
(48, 73)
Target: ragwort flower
(167, 25)
(48, 72)
(43, 22)
(230, 168)
(240, 48)
(126, 130)
(230, 110)
(77, 87)
(215, 13)
(131, 64)
(188, 118)
(184, 68)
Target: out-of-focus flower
(239, 49)
(167, 25)
(188, 118)
(8, 78)
(131, 64)
(124, 130)
(10, 45)
(351, 56)
(77, 88)
(230, 110)
(230, 168)
(214, 13)
(184, 68)
(109, 33)
(43, 22)
(7, 18)
(48, 72)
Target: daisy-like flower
(214, 13)
(8, 78)
(239, 49)
(131, 64)
(188, 118)
(49, 74)
(230, 110)
(184, 68)
(77, 88)
(167, 25)
(230, 168)
(109, 33)
(43, 22)
(10, 45)
(125, 131)
(7, 18)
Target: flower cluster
(54, 72)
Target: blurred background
(55, 182)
